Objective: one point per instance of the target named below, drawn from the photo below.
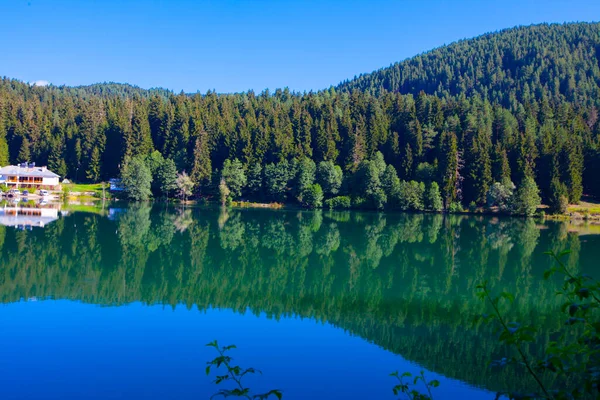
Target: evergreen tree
(166, 176)
(527, 198)
(4, 157)
(24, 153)
(450, 169)
(255, 181)
(202, 166)
(433, 198)
(93, 171)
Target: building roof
(17, 170)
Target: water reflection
(405, 282)
(24, 214)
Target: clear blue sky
(238, 45)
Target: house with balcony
(27, 175)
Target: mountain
(559, 62)
(513, 108)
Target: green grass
(586, 207)
(95, 188)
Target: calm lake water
(326, 304)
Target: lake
(119, 304)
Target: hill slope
(558, 61)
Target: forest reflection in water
(405, 282)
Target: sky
(234, 46)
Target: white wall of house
(50, 182)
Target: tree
(527, 198)
(558, 199)
(277, 177)
(255, 180)
(185, 186)
(433, 198)
(330, 177)
(305, 177)
(500, 196)
(224, 192)
(312, 197)
(154, 161)
(369, 184)
(449, 168)
(166, 176)
(140, 139)
(234, 176)
(201, 166)
(24, 153)
(136, 179)
(3, 151)
(93, 171)
(391, 184)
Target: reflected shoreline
(402, 281)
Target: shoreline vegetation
(587, 211)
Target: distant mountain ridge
(559, 61)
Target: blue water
(69, 350)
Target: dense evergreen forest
(490, 121)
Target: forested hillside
(477, 122)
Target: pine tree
(140, 140)
(93, 171)
(4, 156)
(450, 169)
(24, 153)
(202, 166)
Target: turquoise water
(120, 305)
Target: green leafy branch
(574, 358)
(406, 387)
(235, 374)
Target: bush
(312, 197)
(358, 202)
(472, 206)
(339, 202)
(455, 207)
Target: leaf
(508, 296)
(208, 370)
(434, 383)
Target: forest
(506, 120)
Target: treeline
(476, 145)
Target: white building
(28, 176)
